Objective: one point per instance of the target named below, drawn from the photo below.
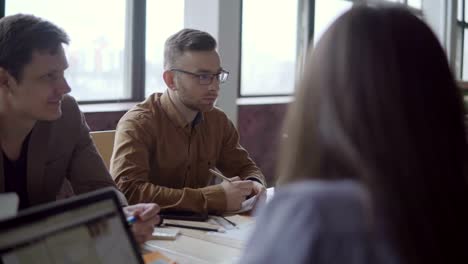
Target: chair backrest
(104, 141)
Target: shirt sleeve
(235, 160)
(130, 169)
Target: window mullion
(135, 42)
(462, 49)
(2, 8)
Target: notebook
(250, 204)
(89, 228)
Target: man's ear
(5, 80)
(168, 77)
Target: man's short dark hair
(21, 35)
(186, 40)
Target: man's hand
(236, 192)
(257, 188)
(147, 215)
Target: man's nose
(214, 85)
(63, 87)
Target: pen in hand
(131, 219)
(216, 173)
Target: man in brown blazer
(47, 152)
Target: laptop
(9, 202)
(89, 228)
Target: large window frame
(305, 36)
(135, 48)
(462, 25)
(305, 16)
(134, 51)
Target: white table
(200, 247)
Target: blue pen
(131, 219)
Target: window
(160, 24)
(268, 57)
(412, 3)
(98, 54)
(327, 11)
(96, 50)
(269, 42)
(116, 54)
(415, 3)
(462, 59)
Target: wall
(222, 20)
(260, 131)
(103, 121)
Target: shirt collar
(175, 115)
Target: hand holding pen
(220, 175)
(143, 218)
(257, 188)
(236, 190)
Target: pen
(220, 175)
(131, 219)
(229, 221)
(195, 227)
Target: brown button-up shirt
(160, 157)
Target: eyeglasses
(207, 78)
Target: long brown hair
(378, 103)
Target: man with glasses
(166, 145)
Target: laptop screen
(87, 229)
(9, 202)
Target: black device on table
(184, 215)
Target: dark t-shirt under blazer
(62, 156)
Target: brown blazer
(62, 159)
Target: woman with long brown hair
(373, 169)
